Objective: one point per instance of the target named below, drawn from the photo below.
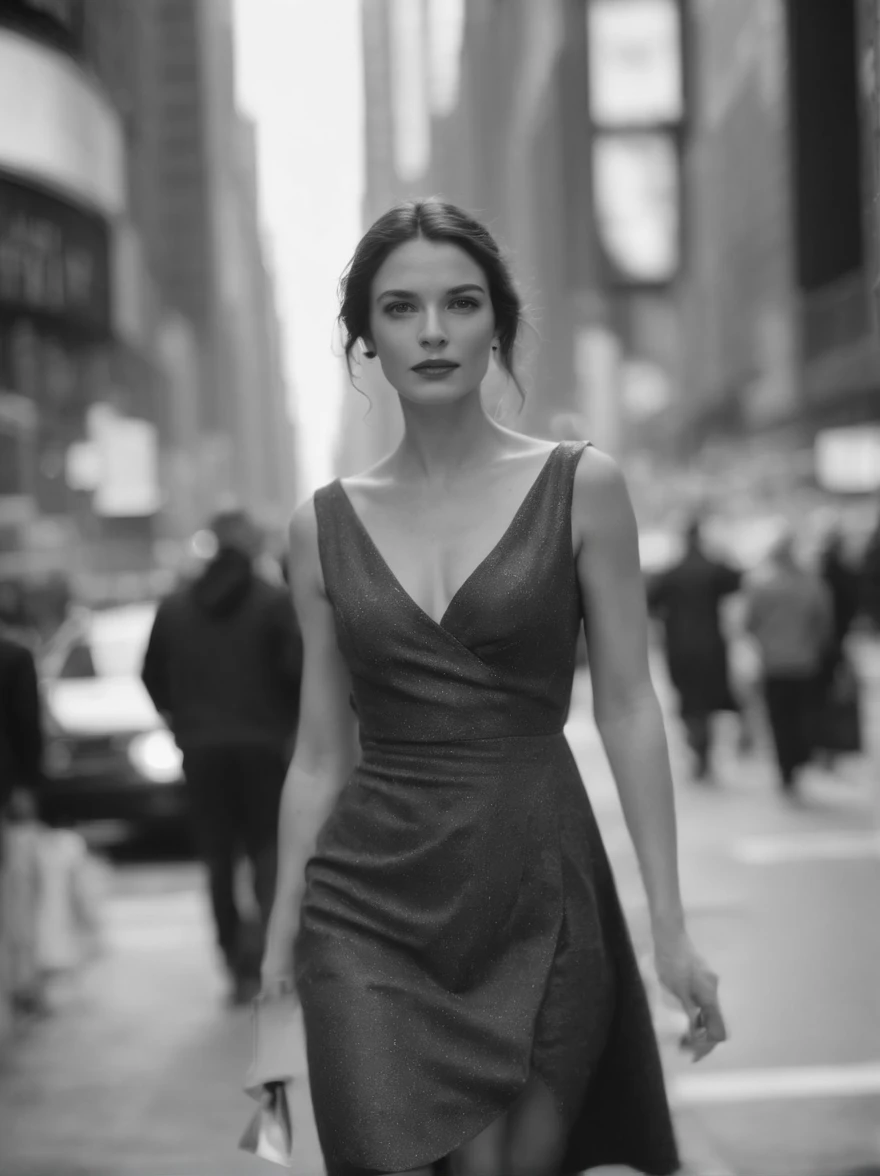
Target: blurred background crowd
(688, 191)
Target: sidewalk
(140, 1072)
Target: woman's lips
(435, 369)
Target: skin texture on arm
(630, 724)
(624, 702)
(326, 745)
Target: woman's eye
(465, 303)
(398, 307)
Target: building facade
(62, 189)
(141, 382)
(197, 180)
(777, 313)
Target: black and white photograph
(440, 587)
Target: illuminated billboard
(636, 204)
(635, 62)
(636, 108)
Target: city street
(139, 1071)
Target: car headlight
(156, 757)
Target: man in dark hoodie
(223, 667)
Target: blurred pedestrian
(838, 728)
(223, 667)
(789, 612)
(687, 600)
(869, 577)
(21, 753)
(842, 581)
(16, 615)
(21, 730)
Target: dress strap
(333, 548)
(553, 520)
(568, 457)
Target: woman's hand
(686, 975)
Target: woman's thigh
(529, 1140)
(535, 1135)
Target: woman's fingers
(698, 994)
(707, 1024)
(713, 1020)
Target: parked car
(109, 755)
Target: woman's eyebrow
(453, 290)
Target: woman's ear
(367, 348)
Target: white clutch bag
(269, 1134)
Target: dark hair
(693, 532)
(235, 530)
(435, 220)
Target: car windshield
(113, 648)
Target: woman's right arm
(326, 746)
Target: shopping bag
(71, 901)
(269, 1134)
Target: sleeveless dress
(460, 926)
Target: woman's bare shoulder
(600, 498)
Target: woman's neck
(442, 441)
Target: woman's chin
(440, 392)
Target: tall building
(62, 189)
(195, 160)
(781, 344)
(140, 374)
(513, 148)
(265, 444)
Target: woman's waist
(461, 764)
(488, 747)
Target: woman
(445, 907)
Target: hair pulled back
(435, 220)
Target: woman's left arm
(630, 724)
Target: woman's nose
(432, 333)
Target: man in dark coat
(869, 576)
(21, 731)
(223, 667)
(686, 599)
(21, 754)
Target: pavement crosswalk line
(831, 845)
(737, 1086)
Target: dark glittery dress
(460, 926)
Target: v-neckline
(488, 558)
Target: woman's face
(431, 321)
